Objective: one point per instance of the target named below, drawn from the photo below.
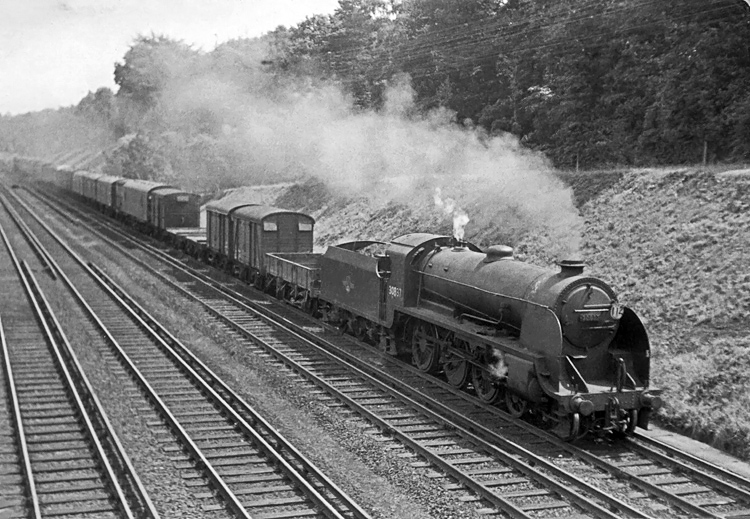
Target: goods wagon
(63, 177)
(105, 190)
(174, 208)
(219, 225)
(260, 229)
(84, 184)
(88, 185)
(77, 183)
(133, 198)
(295, 272)
(48, 171)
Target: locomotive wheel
(517, 406)
(424, 348)
(487, 389)
(457, 371)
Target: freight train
(553, 344)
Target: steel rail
(738, 485)
(482, 491)
(20, 435)
(190, 363)
(125, 466)
(649, 488)
(280, 442)
(153, 328)
(145, 505)
(32, 240)
(35, 294)
(36, 300)
(390, 384)
(230, 498)
(23, 446)
(234, 502)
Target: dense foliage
(590, 84)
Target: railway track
(244, 460)
(61, 455)
(478, 447)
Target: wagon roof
(223, 206)
(86, 174)
(257, 213)
(110, 179)
(166, 191)
(143, 185)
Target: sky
(53, 52)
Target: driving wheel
(486, 388)
(424, 348)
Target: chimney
(571, 267)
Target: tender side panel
(349, 279)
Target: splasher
(460, 218)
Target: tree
(149, 65)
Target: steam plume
(239, 125)
(460, 218)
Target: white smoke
(235, 125)
(448, 206)
(499, 369)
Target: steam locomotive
(553, 344)
(557, 344)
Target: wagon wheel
(358, 328)
(457, 369)
(487, 389)
(313, 308)
(632, 422)
(569, 428)
(517, 406)
(424, 348)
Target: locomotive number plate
(395, 292)
(593, 316)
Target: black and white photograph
(375, 259)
